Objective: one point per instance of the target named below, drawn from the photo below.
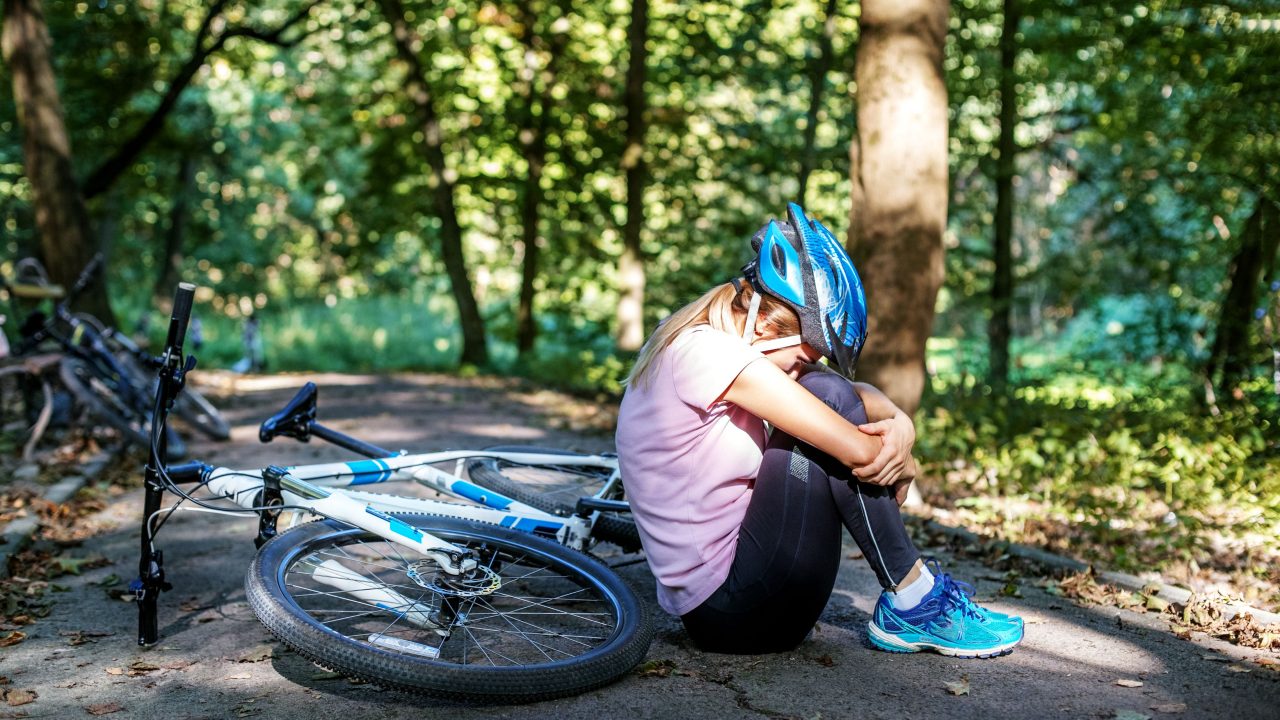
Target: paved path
(1067, 667)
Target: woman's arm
(878, 405)
(763, 390)
(895, 429)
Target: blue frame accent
(485, 497)
(367, 472)
(398, 526)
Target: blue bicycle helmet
(802, 264)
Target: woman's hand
(894, 462)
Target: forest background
(1067, 214)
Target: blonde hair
(720, 308)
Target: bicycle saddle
(295, 419)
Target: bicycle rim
(538, 621)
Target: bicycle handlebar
(183, 298)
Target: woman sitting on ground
(741, 525)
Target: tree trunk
(1002, 282)
(62, 221)
(535, 122)
(900, 178)
(631, 276)
(817, 88)
(1258, 244)
(171, 257)
(475, 351)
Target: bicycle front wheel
(556, 489)
(535, 621)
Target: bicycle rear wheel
(538, 621)
(556, 489)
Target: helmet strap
(778, 343)
(752, 310)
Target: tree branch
(110, 170)
(274, 36)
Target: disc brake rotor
(480, 581)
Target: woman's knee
(837, 392)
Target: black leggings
(789, 546)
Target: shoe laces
(956, 593)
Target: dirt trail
(216, 661)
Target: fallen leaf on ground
(177, 664)
(73, 566)
(12, 638)
(1238, 669)
(19, 697)
(258, 654)
(80, 637)
(1170, 708)
(115, 671)
(104, 708)
(142, 667)
(1215, 658)
(958, 687)
(237, 676)
(656, 668)
(1122, 714)
(1122, 682)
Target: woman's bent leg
(788, 549)
(870, 512)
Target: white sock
(906, 598)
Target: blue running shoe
(936, 569)
(946, 622)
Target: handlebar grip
(183, 298)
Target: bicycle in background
(103, 369)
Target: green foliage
(1102, 458)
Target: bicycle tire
(555, 489)
(196, 411)
(105, 404)
(591, 628)
(193, 408)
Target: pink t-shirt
(689, 461)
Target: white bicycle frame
(321, 489)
